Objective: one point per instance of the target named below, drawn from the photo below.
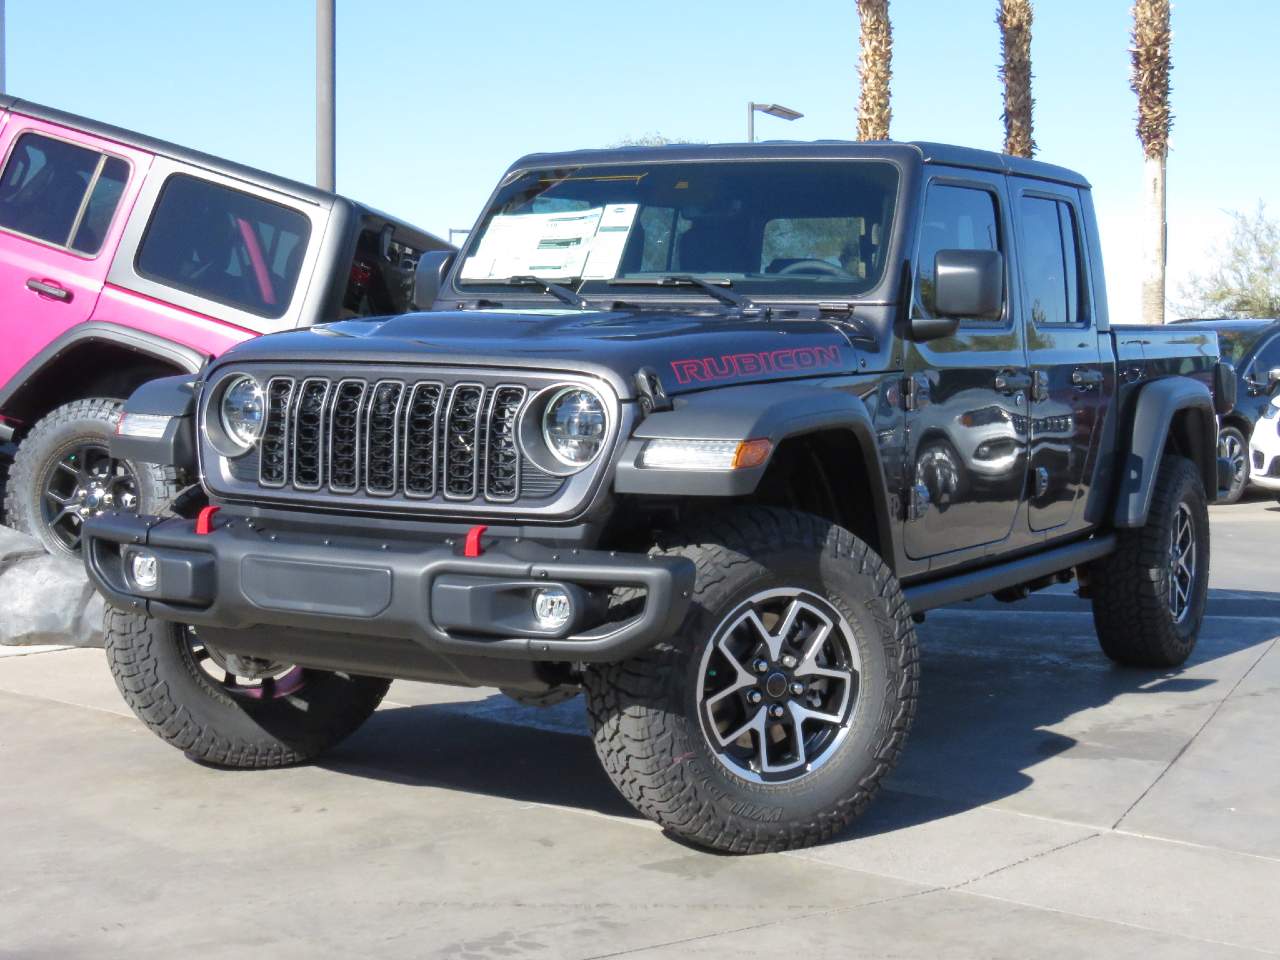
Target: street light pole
(773, 110)
(326, 108)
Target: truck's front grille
(397, 438)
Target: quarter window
(225, 245)
(60, 192)
(955, 218)
(1050, 261)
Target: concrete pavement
(1048, 805)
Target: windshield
(783, 228)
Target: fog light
(552, 607)
(144, 570)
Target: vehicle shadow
(995, 678)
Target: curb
(45, 599)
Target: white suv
(1264, 448)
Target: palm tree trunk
(875, 67)
(1014, 18)
(1151, 41)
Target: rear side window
(225, 245)
(61, 193)
(1050, 259)
(955, 218)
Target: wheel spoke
(754, 725)
(63, 465)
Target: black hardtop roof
(907, 152)
(196, 158)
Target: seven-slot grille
(388, 438)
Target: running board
(978, 583)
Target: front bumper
(248, 573)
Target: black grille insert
(396, 438)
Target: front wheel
(63, 474)
(770, 719)
(1234, 446)
(1149, 596)
(227, 710)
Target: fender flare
(1157, 404)
(773, 411)
(139, 341)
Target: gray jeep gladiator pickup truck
(697, 430)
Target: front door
(1068, 395)
(967, 393)
(60, 193)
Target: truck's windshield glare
(781, 228)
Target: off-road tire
(151, 662)
(645, 719)
(92, 420)
(1234, 492)
(1130, 588)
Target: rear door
(1069, 386)
(967, 419)
(63, 200)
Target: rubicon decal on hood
(730, 365)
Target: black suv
(1253, 348)
(698, 431)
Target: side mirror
(428, 277)
(969, 283)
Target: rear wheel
(769, 720)
(1234, 446)
(1149, 596)
(63, 473)
(227, 710)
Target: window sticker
(579, 243)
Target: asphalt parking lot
(1048, 805)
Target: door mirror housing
(428, 277)
(969, 283)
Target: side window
(1050, 261)
(228, 246)
(1267, 358)
(60, 193)
(955, 218)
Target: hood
(686, 351)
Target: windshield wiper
(713, 288)
(556, 290)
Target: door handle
(1010, 382)
(1086, 379)
(50, 290)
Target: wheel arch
(810, 426)
(1171, 415)
(93, 359)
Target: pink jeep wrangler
(123, 259)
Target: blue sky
(436, 99)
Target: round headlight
(574, 426)
(243, 409)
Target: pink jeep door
(64, 197)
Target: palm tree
(875, 67)
(1151, 39)
(1014, 18)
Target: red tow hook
(204, 521)
(472, 546)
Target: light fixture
(773, 110)
(677, 454)
(553, 607)
(144, 570)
